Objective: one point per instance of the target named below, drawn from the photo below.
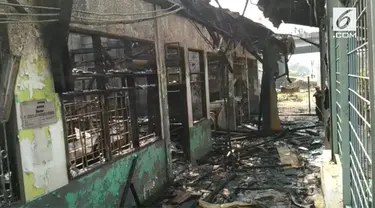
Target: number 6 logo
(344, 19)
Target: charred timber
(231, 26)
(304, 12)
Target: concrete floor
(331, 181)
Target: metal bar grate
(337, 88)
(359, 111)
(119, 122)
(85, 135)
(353, 108)
(8, 194)
(111, 110)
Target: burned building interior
(153, 104)
(123, 91)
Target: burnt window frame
(128, 85)
(202, 82)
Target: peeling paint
(29, 81)
(41, 163)
(42, 149)
(200, 140)
(34, 84)
(26, 134)
(48, 134)
(101, 188)
(33, 192)
(100, 185)
(71, 199)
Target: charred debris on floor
(262, 169)
(247, 168)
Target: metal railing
(352, 95)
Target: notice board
(36, 114)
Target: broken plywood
(287, 156)
(181, 198)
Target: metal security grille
(351, 122)
(336, 90)
(359, 110)
(8, 187)
(112, 107)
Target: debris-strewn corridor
(264, 170)
(187, 103)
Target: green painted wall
(200, 140)
(102, 187)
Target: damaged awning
(301, 12)
(230, 26)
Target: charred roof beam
(302, 12)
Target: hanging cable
(244, 10)
(76, 11)
(27, 21)
(101, 18)
(218, 3)
(202, 35)
(122, 14)
(29, 6)
(30, 14)
(93, 13)
(121, 21)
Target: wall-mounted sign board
(36, 114)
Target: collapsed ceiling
(301, 12)
(230, 26)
